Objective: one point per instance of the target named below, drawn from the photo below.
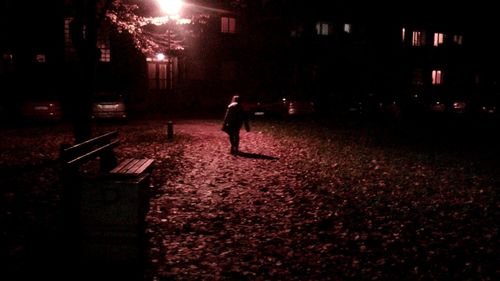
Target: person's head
(236, 98)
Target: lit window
(347, 28)
(438, 39)
(69, 49)
(457, 39)
(437, 77)
(403, 35)
(103, 45)
(322, 28)
(418, 38)
(228, 25)
(40, 58)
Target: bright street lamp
(160, 57)
(170, 7)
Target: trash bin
(112, 218)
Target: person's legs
(234, 139)
(232, 142)
(236, 142)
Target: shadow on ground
(256, 156)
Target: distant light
(40, 58)
(459, 105)
(347, 28)
(170, 7)
(160, 56)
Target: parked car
(300, 107)
(437, 106)
(43, 110)
(367, 105)
(459, 106)
(264, 106)
(108, 105)
(485, 106)
(488, 108)
(391, 108)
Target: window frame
(437, 77)
(418, 38)
(228, 25)
(439, 38)
(162, 74)
(323, 28)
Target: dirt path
(226, 217)
(324, 205)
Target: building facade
(334, 56)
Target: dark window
(69, 49)
(457, 39)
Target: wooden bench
(132, 167)
(101, 147)
(105, 203)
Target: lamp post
(172, 9)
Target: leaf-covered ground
(304, 201)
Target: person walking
(233, 120)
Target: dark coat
(235, 118)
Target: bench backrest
(100, 146)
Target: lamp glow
(170, 7)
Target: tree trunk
(84, 37)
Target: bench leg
(108, 161)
